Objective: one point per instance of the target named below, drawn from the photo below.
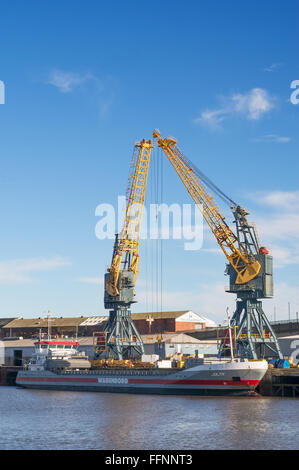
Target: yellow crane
(121, 334)
(239, 257)
(250, 266)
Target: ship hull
(213, 379)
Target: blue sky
(84, 80)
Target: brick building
(146, 323)
(3, 322)
(170, 322)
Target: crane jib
(238, 256)
(128, 242)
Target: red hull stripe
(140, 381)
(195, 382)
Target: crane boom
(121, 335)
(246, 267)
(127, 249)
(250, 266)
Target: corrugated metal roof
(179, 338)
(4, 321)
(209, 323)
(92, 321)
(158, 315)
(19, 343)
(43, 322)
(86, 341)
(25, 343)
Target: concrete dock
(280, 383)
(8, 375)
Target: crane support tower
(122, 337)
(250, 267)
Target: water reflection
(74, 420)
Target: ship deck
(121, 371)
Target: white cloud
(252, 104)
(272, 138)
(212, 119)
(287, 200)
(278, 226)
(16, 271)
(65, 82)
(285, 255)
(273, 67)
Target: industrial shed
(67, 326)
(146, 323)
(16, 352)
(3, 323)
(178, 343)
(170, 322)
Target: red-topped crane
(250, 267)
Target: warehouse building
(67, 326)
(4, 322)
(16, 352)
(146, 323)
(170, 322)
(169, 345)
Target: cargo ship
(57, 365)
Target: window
(18, 356)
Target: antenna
(49, 326)
(230, 334)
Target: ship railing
(117, 371)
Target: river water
(33, 419)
